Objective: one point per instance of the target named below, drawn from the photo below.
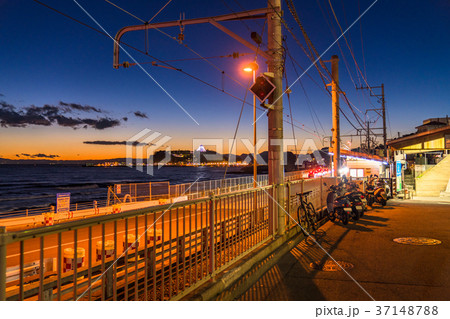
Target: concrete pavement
(379, 268)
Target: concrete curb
(272, 251)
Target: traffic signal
(262, 88)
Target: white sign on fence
(62, 202)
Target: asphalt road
(382, 269)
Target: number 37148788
(407, 310)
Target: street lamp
(253, 67)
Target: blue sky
(47, 58)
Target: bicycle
(306, 214)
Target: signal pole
(275, 126)
(336, 143)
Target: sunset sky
(62, 99)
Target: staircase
(434, 180)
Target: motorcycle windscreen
(330, 201)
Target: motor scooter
(379, 192)
(357, 199)
(338, 206)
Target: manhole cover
(419, 241)
(330, 265)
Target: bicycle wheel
(301, 217)
(312, 215)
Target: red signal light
(262, 88)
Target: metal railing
(135, 192)
(186, 243)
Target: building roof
(412, 137)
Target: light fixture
(253, 66)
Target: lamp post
(253, 67)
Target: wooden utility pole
(336, 142)
(275, 127)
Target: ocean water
(34, 186)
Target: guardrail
(155, 253)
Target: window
(357, 172)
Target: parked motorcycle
(357, 199)
(370, 189)
(379, 193)
(376, 191)
(338, 206)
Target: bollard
(108, 252)
(49, 219)
(130, 243)
(116, 209)
(151, 237)
(69, 258)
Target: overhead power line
(351, 51)
(168, 64)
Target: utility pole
(275, 127)
(335, 107)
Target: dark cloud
(125, 119)
(115, 143)
(102, 123)
(38, 155)
(67, 121)
(46, 115)
(106, 123)
(10, 117)
(79, 107)
(2, 94)
(141, 114)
